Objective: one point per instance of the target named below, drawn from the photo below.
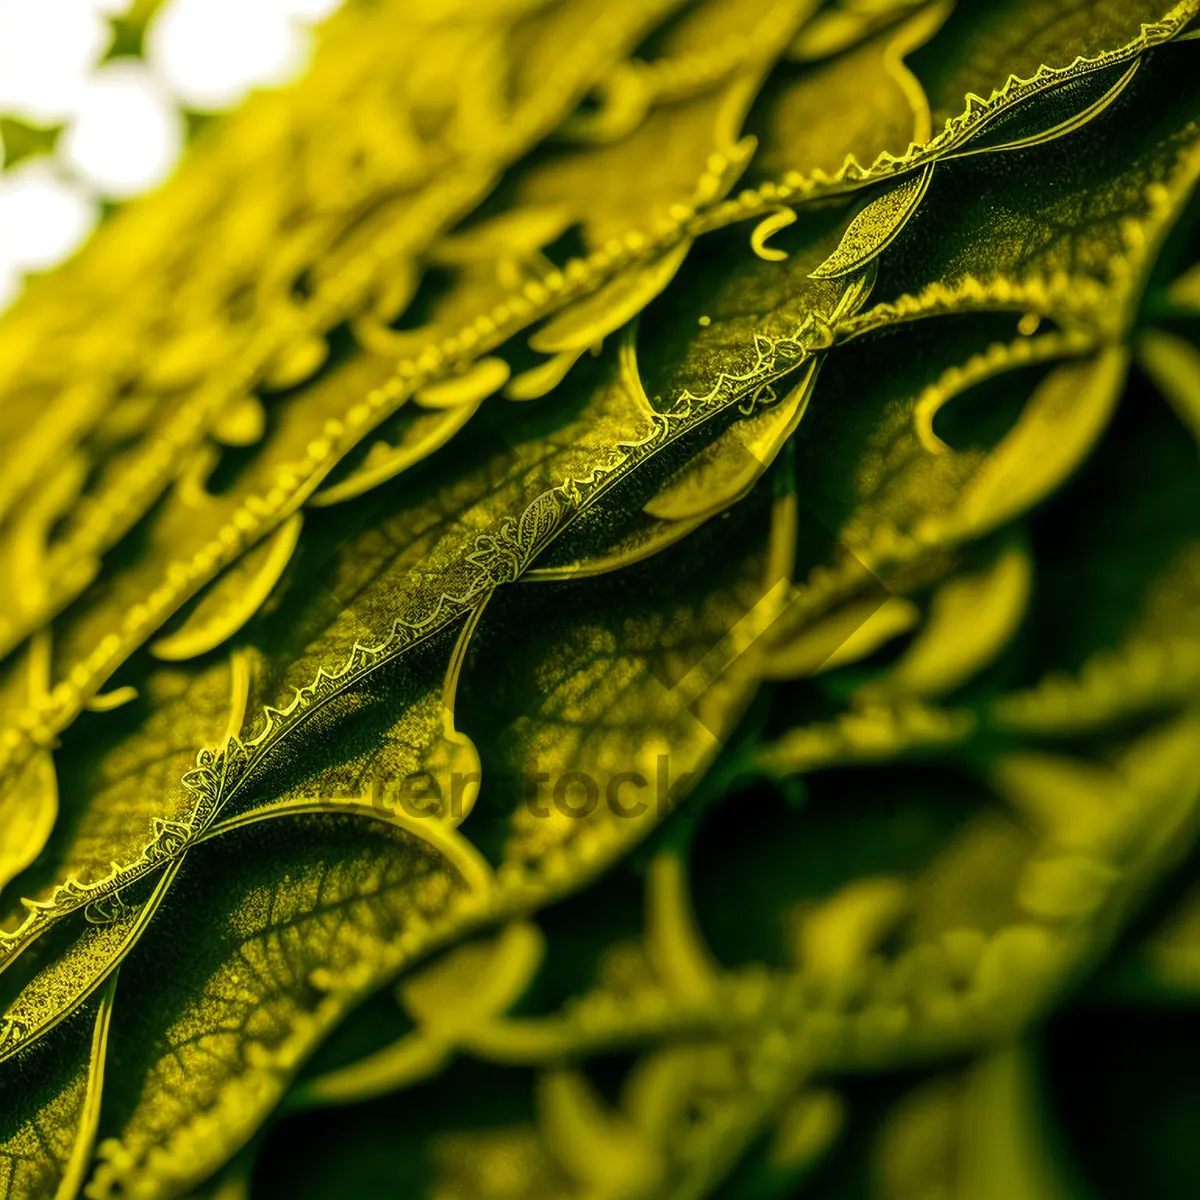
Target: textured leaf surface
(48, 1131)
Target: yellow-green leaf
(47, 1137)
(1174, 365)
(972, 617)
(877, 226)
(588, 321)
(235, 597)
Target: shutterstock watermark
(579, 795)
(575, 795)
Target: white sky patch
(44, 216)
(212, 52)
(127, 135)
(47, 47)
(311, 10)
(123, 130)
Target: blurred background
(99, 97)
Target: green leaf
(589, 321)
(281, 949)
(249, 780)
(47, 1135)
(234, 599)
(29, 807)
(706, 678)
(978, 51)
(1096, 669)
(1062, 110)
(1062, 422)
(1174, 365)
(876, 227)
(845, 23)
(730, 466)
(27, 813)
(472, 984)
(972, 617)
(121, 794)
(826, 125)
(555, 66)
(811, 651)
(59, 973)
(621, 706)
(1046, 230)
(416, 433)
(981, 1133)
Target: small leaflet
(29, 805)
(28, 810)
(297, 362)
(1174, 364)
(484, 378)
(590, 320)
(971, 619)
(432, 430)
(109, 701)
(243, 424)
(780, 219)
(513, 234)
(1062, 421)
(540, 380)
(877, 226)
(853, 632)
(234, 598)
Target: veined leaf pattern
(49, 1132)
(296, 476)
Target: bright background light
(190, 44)
(108, 129)
(127, 133)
